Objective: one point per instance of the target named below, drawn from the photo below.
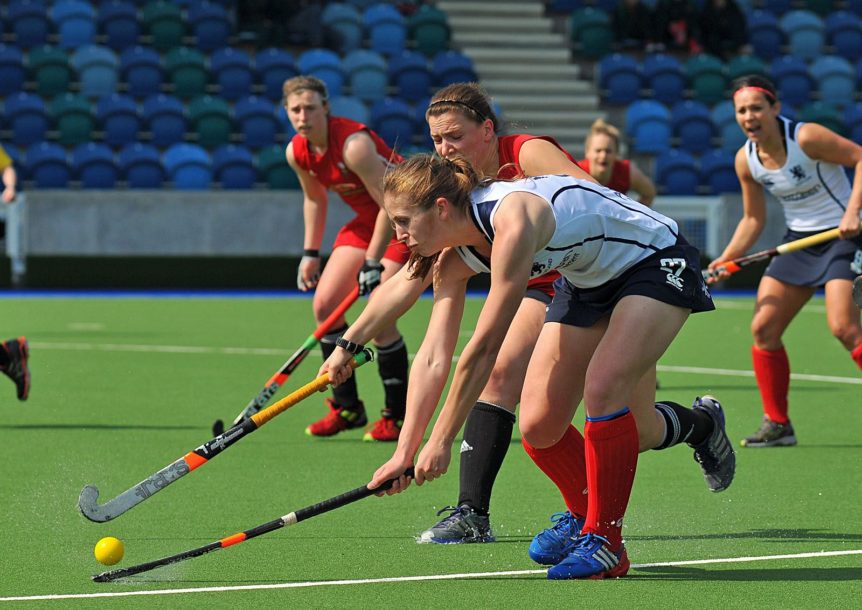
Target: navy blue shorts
(818, 264)
(538, 294)
(677, 283)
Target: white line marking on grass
(739, 373)
(371, 581)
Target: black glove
(369, 276)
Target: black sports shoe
(771, 434)
(463, 525)
(16, 369)
(715, 455)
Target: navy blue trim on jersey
(618, 240)
(478, 255)
(828, 192)
(480, 212)
(616, 201)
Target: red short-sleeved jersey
(509, 151)
(621, 174)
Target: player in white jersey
(802, 165)
(629, 283)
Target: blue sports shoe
(715, 455)
(591, 557)
(551, 546)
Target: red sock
(857, 355)
(772, 371)
(612, 456)
(565, 465)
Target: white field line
(391, 579)
(264, 351)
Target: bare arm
(10, 182)
(642, 185)
(314, 202)
(753, 214)
(361, 157)
(822, 144)
(539, 158)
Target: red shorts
(544, 283)
(358, 232)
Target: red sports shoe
(338, 420)
(386, 429)
(16, 369)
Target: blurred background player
(9, 177)
(13, 364)
(802, 165)
(348, 158)
(601, 160)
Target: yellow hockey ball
(109, 550)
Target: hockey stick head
(89, 507)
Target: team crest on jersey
(798, 173)
(540, 268)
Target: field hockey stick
(857, 291)
(277, 380)
(289, 519)
(791, 246)
(194, 459)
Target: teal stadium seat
(210, 119)
(49, 69)
(835, 78)
(743, 65)
(274, 169)
(591, 32)
(824, 113)
(186, 69)
(74, 118)
(367, 73)
(707, 78)
(163, 22)
(428, 28)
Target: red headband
(765, 92)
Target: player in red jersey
(602, 162)
(346, 157)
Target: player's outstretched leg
(13, 364)
(463, 525)
(715, 454)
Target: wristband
(350, 346)
(311, 252)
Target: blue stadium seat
(256, 119)
(853, 121)
(210, 24)
(285, 124)
(776, 7)
(141, 69)
(12, 74)
(421, 124)
(392, 119)
(409, 73)
(730, 135)
(119, 119)
(274, 66)
(233, 167)
(93, 164)
(325, 65)
(677, 173)
(232, 72)
(117, 21)
(47, 165)
(805, 32)
(648, 124)
(836, 79)
(165, 117)
(664, 74)
(368, 74)
(30, 23)
(450, 67)
(385, 29)
(350, 107)
(620, 77)
(844, 33)
(75, 22)
(692, 124)
(765, 35)
(342, 26)
(141, 166)
(791, 77)
(188, 166)
(97, 69)
(27, 116)
(717, 172)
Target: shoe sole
(482, 540)
(785, 441)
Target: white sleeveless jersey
(813, 194)
(599, 232)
